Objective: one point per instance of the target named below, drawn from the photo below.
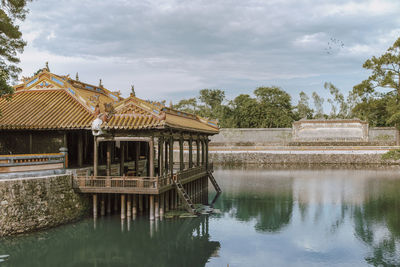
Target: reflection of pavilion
(183, 242)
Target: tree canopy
(11, 42)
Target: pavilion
(121, 150)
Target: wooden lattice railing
(31, 162)
(134, 182)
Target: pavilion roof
(50, 101)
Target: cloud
(173, 46)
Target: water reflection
(269, 216)
(166, 243)
(322, 215)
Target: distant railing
(32, 162)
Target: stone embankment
(30, 204)
(276, 146)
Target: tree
(385, 75)
(276, 107)
(303, 107)
(340, 108)
(246, 112)
(187, 105)
(11, 42)
(318, 104)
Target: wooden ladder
(185, 197)
(214, 182)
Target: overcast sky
(171, 49)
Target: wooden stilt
(167, 195)
(157, 206)
(151, 207)
(94, 205)
(141, 203)
(103, 205)
(123, 214)
(108, 203)
(134, 205)
(128, 206)
(162, 196)
(115, 202)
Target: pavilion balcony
(136, 184)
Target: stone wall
(283, 136)
(330, 130)
(295, 158)
(29, 204)
(252, 136)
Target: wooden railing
(120, 183)
(31, 162)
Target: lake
(296, 216)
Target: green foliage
(276, 107)
(271, 108)
(374, 110)
(380, 109)
(318, 102)
(303, 109)
(392, 155)
(339, 106)
(11, 42)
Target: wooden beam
(123, 138)
(181, 163)
(108, 166)
(151, 157)
(122, 158)
(95, 157)
(160, 156)
(80, 149)
(190, 152)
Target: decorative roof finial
(77, 77)
(100, 83)
(47, 66)
(133, 90)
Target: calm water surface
(269, 217)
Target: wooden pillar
(95, 157)
(123, 213)
(94, 205)
(181, 163)
(190, 153)
(103, 205)
(80, 149)
(206, 141)
(151, 157)
(162, 202)
(151, 207)
(140, 203)
(108, 203)
(203, 158)
(128, 206)
(134, 205)
(157, 206)
(198, 153)
(171, 155)
(108, 167)
(166, 144)
(115, 202)
(167, 194)
(137, 155)
(122, 158)
(160, 156)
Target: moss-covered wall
(30, 204)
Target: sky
(170, 49)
